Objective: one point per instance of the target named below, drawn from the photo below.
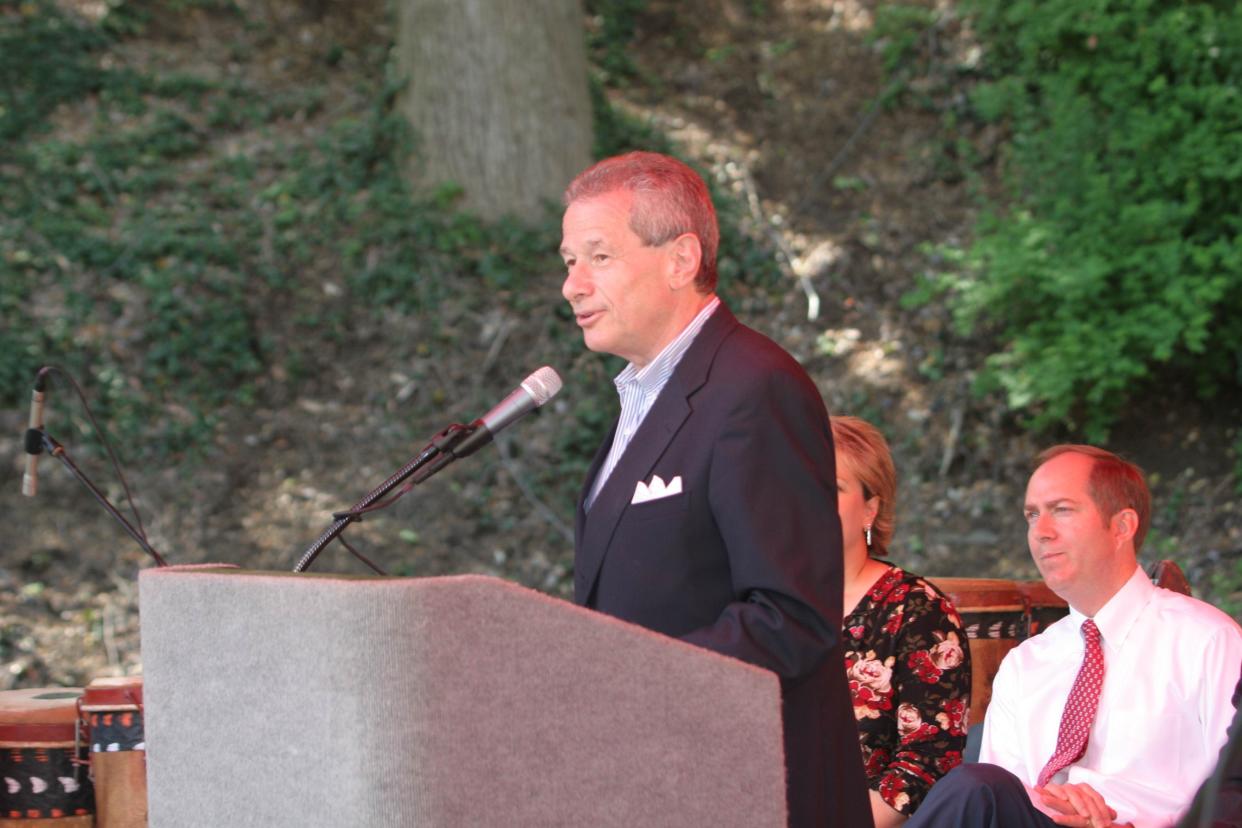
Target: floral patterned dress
(909, 672)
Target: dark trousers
(978, 796)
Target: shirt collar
(1117, 616)
(654, 374)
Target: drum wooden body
(112, 711)
(42, 784)
(998, 615)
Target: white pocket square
(656, 489)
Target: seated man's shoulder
(1176, 609)
(1167, 609)
(1049, 644)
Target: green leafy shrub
(46, 58)
(897, 31)
(1120, 254)
(615, 23)
(126, 250)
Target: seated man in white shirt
(1115, 714)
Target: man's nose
(1044, 526)
(577, 283)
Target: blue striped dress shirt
(638, 389)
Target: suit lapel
(600, 454)
(666, 417)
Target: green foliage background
(1117, 260)
(1114, 260)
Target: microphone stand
(437, 455)
(51, 446)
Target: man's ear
(686, 253)
(1125, 524)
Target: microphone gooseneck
(450, 444)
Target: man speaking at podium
(709, 513)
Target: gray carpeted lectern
(278, 699)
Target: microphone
(534, 391)
(34, 438)
(443, 449)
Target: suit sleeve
(772, 490)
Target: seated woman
(906, 652)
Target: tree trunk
(497, 95)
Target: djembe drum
(42, 762)
(112, 713)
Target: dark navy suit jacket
(747, 560)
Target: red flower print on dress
(905, 658)
(893, 790)
(870, 684)
(876, 761)
(953, 717)
(911, 727)
(947, 652)
(909, 719)
(897, 594)
(924, 668)
(882, 586)
(950, 760)
(950, 611)
(893, 625)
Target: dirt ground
(779, 106)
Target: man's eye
(600, 258)
(1030, 516)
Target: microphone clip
(34, 440)
(453, 435)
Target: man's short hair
(1114, 484)
(669, 199)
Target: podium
(280, 699)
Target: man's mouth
(586, 317)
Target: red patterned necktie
(1084, 698)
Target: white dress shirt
(638, 389)
(1171, 663)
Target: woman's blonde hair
(865, 451)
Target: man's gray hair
(669, 199)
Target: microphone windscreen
(542, 385)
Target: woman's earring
(868, 531)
